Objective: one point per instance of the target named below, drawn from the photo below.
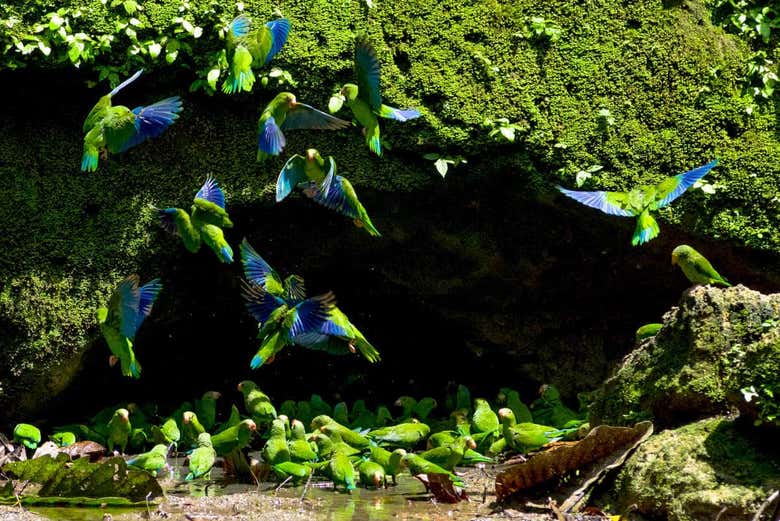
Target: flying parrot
(247, 48)
(119, 322)
(281, 322)
(284, 112)
(640, 201)
(349, 339)
(204, 224)
(116, 129)
(696, 267)
(365, 99)
(305, 173)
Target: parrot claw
(352, 348)
(358, 223)
(112, 360)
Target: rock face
(714, 345)
(710, 469)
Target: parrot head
(506, 415)
(246, 386)
(288, 98)
(212, 395)
(681, 252)
(405, 402)
(123, 415)
(251, 425)
(187, 416)
(349, 91)
(313, 154)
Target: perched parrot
(361, 416)
(247, 48)
(28, 435)
(168, 433)
(281, 322)
(327, 446)
(63, 439)
(550, 410)
(341, 471)
(484, 419)
(640, 201)
(233, 438)
(319, 406)
(325, 188)
(284, 112)
(407, 405)
(300, 449)
(451, 454)
(275, 449)
(204, 224)
(390, 461)
(512, 400)
(418, 465)
(119, 322)
(152, 461)
(354, 439)
(383, 416)
(648, 331)
(372, 474)
(405, 435)
(116, 129)
(289, 469)
(463, 398)
(696, 267)
(527, 437)
(202, 458)
(191, 428)
(119, 430)
(257, 404)
(424, 407)
(365, 99)
(341, 413)
(288, 408)
(206, 409)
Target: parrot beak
(310, 153)
(239, 387)
(293, 101)
(252, 426)
(503, 413)
(112, 360)
(125, 418)
(217, 395)
(377, 479)
(186, 418)
(472, 443)
(283, 417)
(674, 259)
(322, 429)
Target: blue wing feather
(271, 140)
(129, 298)
(311, 314)
(259, 302)
(279, 30)
(292, 174)
(240, 26)
(685, 181)
(147, 297)
(210, 191)
(336, 199)
(596, 200)
(256, 270)
(152, 120)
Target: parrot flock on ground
(349, 446)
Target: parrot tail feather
(256, 362)
(646, 229)
(89, 160)
(226, 254)
(350, 484)
(189, 477)
(375, 144)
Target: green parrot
(341, 471)
(365, 98)
(527, 437)
(152, 461)
(202, 458)
(275, 449)
(418, 465)
(280, 322)
(647, 331)
(390, 461)
(119, 430)
(451, 454)
(128, 307)
(512, 400)
(323, 187)
(407, 405)
(205, 222)
(206, 409)
(233, 420)
(472, 457)
(371, 474)
(484, 419)
(63, 439)
(293, 291)
(696, 267)
(406, 435)
(28, 435)
(288, 408)
(289, 469)
(341, 413)
(352, 438)
(424, 407)
(116, 129)
(463, 399)
(329, 445)
(84, 432)
(167, 433)
(640, 201)
(549, 409)
(300, 449)
(284, 112)
(383, 416)
(361, 416)
(462, 421)
(233, 438)
(257, 404)
(138, 438)
(319, 406)
(247, 48)
(191, 428)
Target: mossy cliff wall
(668, 76)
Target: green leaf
(170, 56)
(187, 25)
(442, 166)
(154, 50)
(130, 6)
(508, 133)
(45, 49)
(74, 53)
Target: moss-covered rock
(710, 469)
(714, 345)
(667, 75)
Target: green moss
(696, 471)
(669, 77)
